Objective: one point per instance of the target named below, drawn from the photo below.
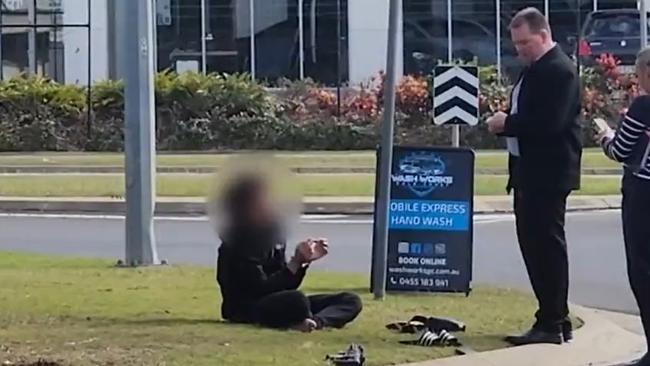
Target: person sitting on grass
(257, 284)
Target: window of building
(275, 24)
(46, 37)
(473, 29)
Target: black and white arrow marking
(455, 97)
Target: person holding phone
(257, 284)
(543, 133)
(630, 145)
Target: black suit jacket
(547, 125)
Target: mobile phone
(601, 124)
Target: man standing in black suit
(544, 141)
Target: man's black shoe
(535, 336)
(567, 331)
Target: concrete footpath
(312, 205)
(602, 341)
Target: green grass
(593, 158)
(85, 312)
(198, 185)
(299, 159)
(183, 185)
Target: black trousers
(288, 308)
(540, 218)
(636, 232)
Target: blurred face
(530, 46)
(261, 210)
(643, 73)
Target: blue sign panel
(430, 220)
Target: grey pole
(138, 64)
(301, 38)
(204, 51)
(31, 37)
(595, 5)
(251, 4)
(113, 29)
(155, 35)
(2, 75)
(386, 156)
(450, 30)
(455, 129)
(546, 9)
(338, 58)
(312, 30)
(644, 23)
(499, 61)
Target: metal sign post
(578, 40)
(301, 38)
(138, 65)
(644, 7)
(498, 10)
(450, 30)
(339, 77)
(2, 76)
(386, 155)
(547, 12)
(455, 132)
(204, 47)
(31, 38)
(312, 30)
(251, 4)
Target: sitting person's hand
(301, 256)
(320, 248)
(311, 250)
(308, 251)
(304, 251)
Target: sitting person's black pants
(287, 308)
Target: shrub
(198, 112)
(37, 114)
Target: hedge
(219, 112)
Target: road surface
(598, 274)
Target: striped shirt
(630, 145)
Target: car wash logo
(422, 173)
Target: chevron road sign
(455, 95)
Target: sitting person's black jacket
(251, 265)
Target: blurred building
(344, 41)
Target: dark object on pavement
(535, 336)
(353, 356)
(434, 324)
(428, 338)
(410, 327)
(433, 331)
(464, 350)
(450, 325)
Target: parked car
(612, 32)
